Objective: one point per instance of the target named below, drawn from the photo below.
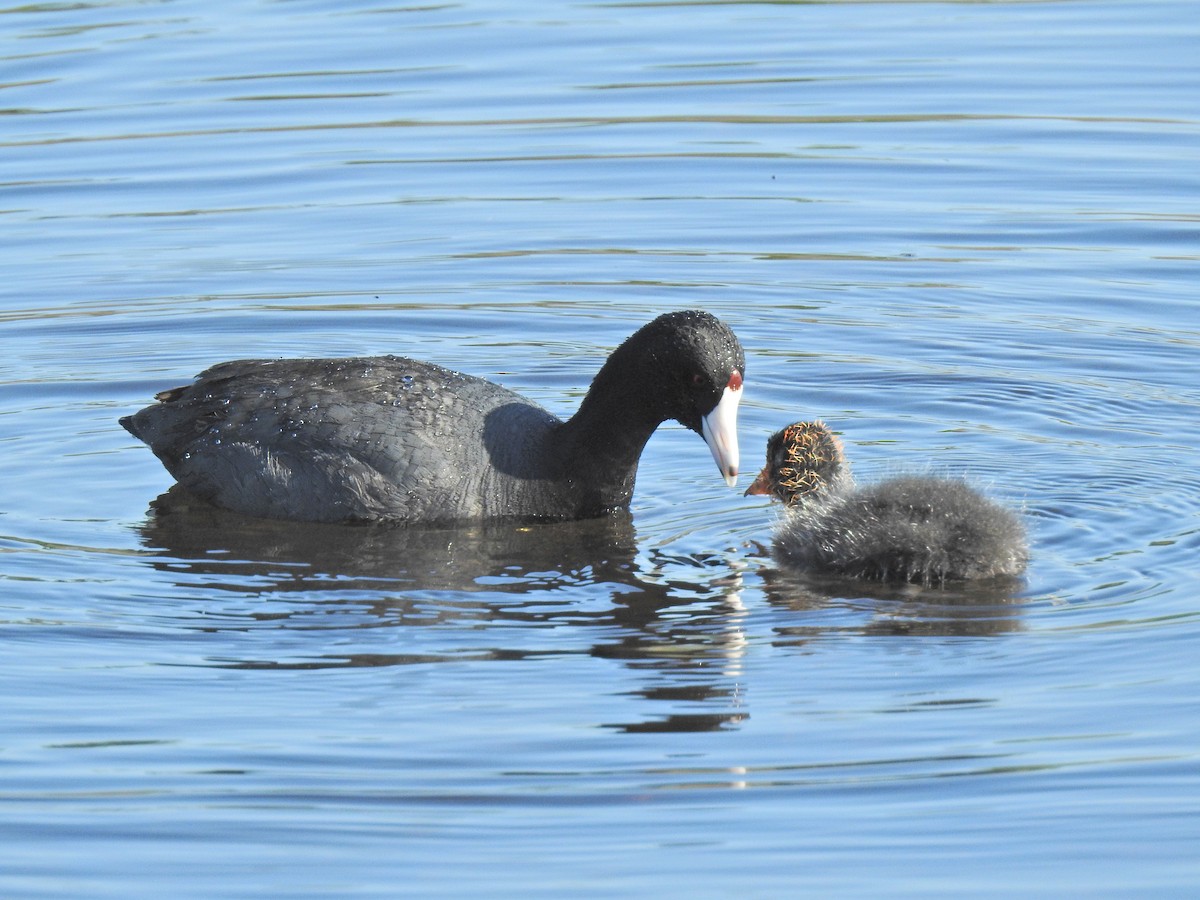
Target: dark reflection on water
(385, 575)
(673, 619)
(974, 609)
(497, 558)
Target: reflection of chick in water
(912, 528)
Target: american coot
(912, 528)
(385, 438)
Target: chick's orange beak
(762, 484)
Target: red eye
(697, 379)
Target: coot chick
(385, 438)
(913, 528)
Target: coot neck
(602, 443)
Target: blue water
(964, 234)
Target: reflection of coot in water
(331, 596)
(392, 439)
(910, 529)
(204, 539)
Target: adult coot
(385, 438)
(912, 528)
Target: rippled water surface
(964, 234)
